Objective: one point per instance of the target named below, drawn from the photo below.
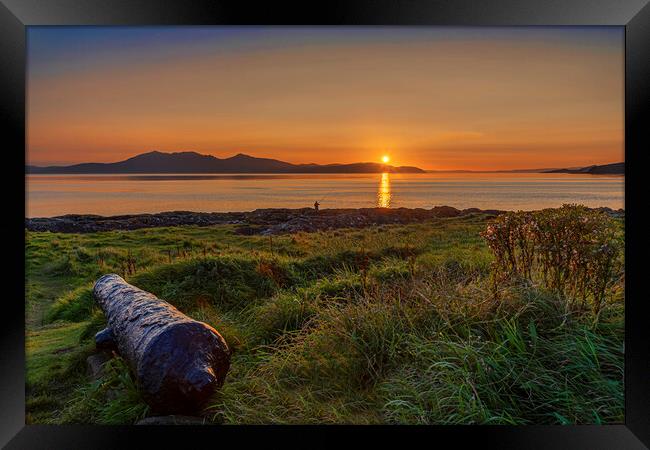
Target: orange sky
(435, 98)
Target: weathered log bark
(178, 362)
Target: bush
(573, 251)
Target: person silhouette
(316, 205)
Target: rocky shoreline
(259, 221)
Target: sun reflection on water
(384, 193)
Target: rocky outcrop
(75, 223)
(260, 221)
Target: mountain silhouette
(192, 162)
(605, 169)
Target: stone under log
(178, 362)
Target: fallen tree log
(177, 361)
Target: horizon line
(47, 165)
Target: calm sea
(53, 195)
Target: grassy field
(387, 324)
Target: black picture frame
(16, 15)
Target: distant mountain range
(192, 162)
(606, 169)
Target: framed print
(299, 222)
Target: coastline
(261, 221)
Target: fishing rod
(318, 202)
(324, 196)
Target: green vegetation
(571, 251)
(420, 323)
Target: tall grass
(437, 354)
(390, 324)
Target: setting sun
(385, 158)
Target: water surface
(53, 195)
